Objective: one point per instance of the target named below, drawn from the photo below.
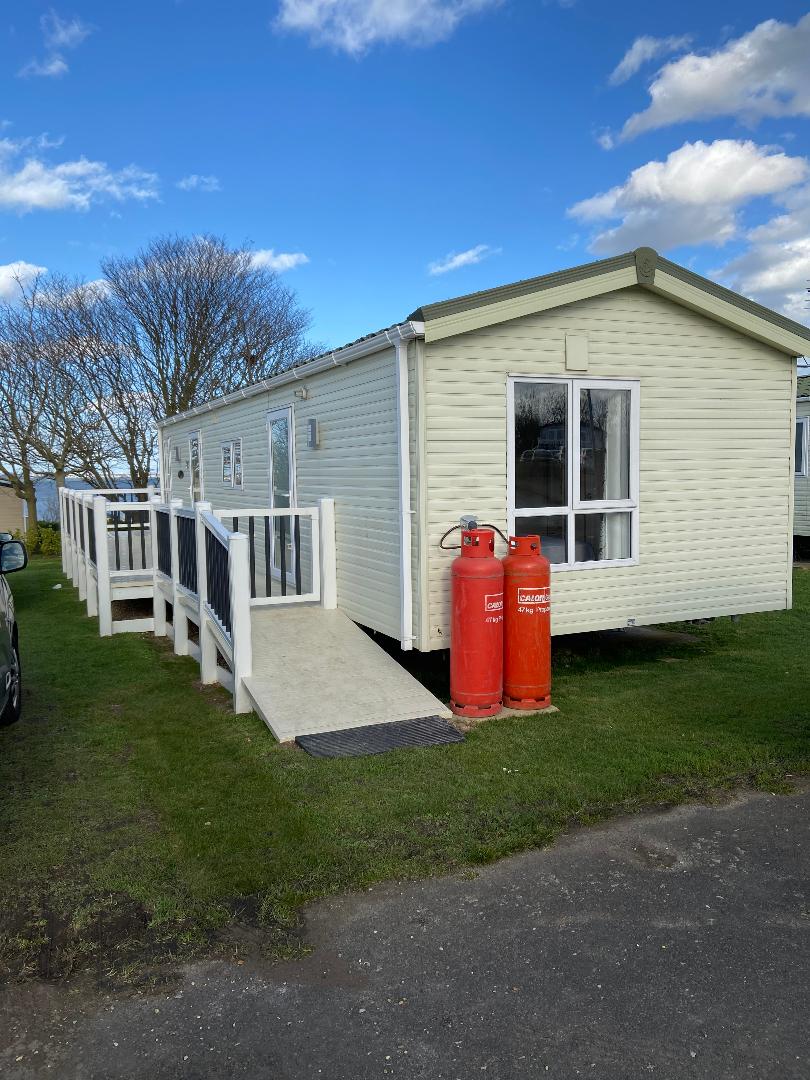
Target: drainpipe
(405, 512)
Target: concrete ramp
(315, 671)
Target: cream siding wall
(356, 465)
(715, 439)
(11, 511)
(801, 507)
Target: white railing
(203, 577)
(105, 544)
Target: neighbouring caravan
(801, 510)
(639, 417)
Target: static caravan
(801, 510)
(638, 417)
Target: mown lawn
(142, 822)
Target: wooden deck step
(314, 671)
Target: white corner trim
(405, 522)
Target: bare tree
(21, 403)
(124, 435)
(182, 321)
(87, 369)
(196, 319)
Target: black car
(13, 556)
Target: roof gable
(644, 267)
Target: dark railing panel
(216, 574)
(164, 542)
(187, 551)
(81, 527)
(91, 535)
(278, 550)
(297, 553)
(282, 551)
(252, 555)
(268, 558)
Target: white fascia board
(385, 339)
(714, 307)
(531, 303)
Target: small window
(195, 467)
(232, 463)
(574, 468)
(167, 467)
(802, 446)
(237, 463)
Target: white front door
(282, 486)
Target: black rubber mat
(377, 738)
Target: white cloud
(58, 34)
(775, 269)
(62, 33)
(32, 183)
(49, 68)
(195, 182)
(691, 198)
(764, 73)
(353, 26)
(455, 260)
(644, 49)
(15, 275)
(268, 259)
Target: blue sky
(388, 153)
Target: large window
(802, 450)
(573, 468)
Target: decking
(252, 598)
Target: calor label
(530, 597)
(493, 602)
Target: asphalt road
(672, 945)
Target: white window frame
(286, 412)
(232, 445)
(577, 505)
(191, 435)
(237, 443)
(166, 469)
(226, 447)
(804, 422)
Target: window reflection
(604, 445)
(541, 451)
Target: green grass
(142, 822)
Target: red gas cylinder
(527, 626)
(476, 634)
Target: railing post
(91, 585)
(241, 631)
(74, 562)
(326, 524)
(84, 557)
(208, 645)
(62, 533)
(102, 566)
(179, 620)
(158, 599)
